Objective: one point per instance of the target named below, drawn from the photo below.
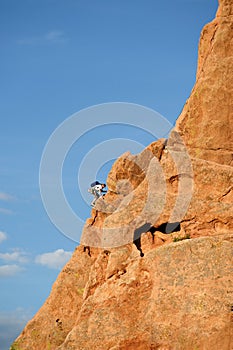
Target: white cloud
(3, 236)
(54, 260)
(53, 36)
(16, 255)
(6, 211)
(10, 270)
(11, 325)
(6, 197)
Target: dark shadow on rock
(142, 229)
(137, 236)
(137, 242)
(166, 227)
(86, 248)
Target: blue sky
(59, 57)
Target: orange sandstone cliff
(172, 289)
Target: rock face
(172, 289)
(178, 296)
(205, 123)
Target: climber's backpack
(95, 183)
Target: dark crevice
(173, 178)
(117, 274)
(166, 227)
(142, 229)
(107, 252)
(163, 149)
(96, 213)
(228, 191)
(88, 249)
(137, 243)
(59, 323)
(152, 230)
(137, 236)
(189, 219)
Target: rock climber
(97, 189)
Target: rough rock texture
(178, 296)
(172, 289)
(56, 318)
(142, 306)
(205, 123)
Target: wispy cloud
(54, 260)
(55, 36)
(11, 324)
(6, 211)
(10, 270)
(6, 197)
(3, 236)
(51, 37)
(17, 256)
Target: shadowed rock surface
(172, 289)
